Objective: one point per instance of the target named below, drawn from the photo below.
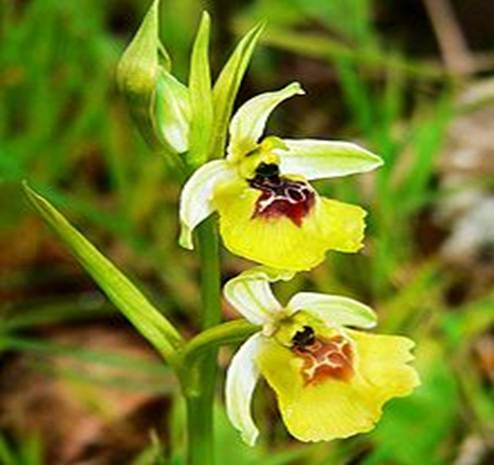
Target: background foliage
(411, 82)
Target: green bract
(201, 96)
(227, 85)
(149, 321)
(171, 116)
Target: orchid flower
(330, 381)
(268, 211)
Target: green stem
(200, 443)
(210, 273)
(200, 400)
(219, 335)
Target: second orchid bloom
(268, 211)
(331, 381)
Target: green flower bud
(158, 103)
(173, 112)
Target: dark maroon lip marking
(323, 358)
(281, 196)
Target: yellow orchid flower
(330, 381)
(268, 211)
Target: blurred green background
(411, 80)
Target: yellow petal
(342, 225)
(383, 363)
(278, 242)
(333, 408)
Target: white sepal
(334, 310)
(250, 293)
(196, 197)
(241, 380)
(319, 159)
(248, 123)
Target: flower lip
(280, 196)
(326, 358)
(324, 351)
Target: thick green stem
(210, 273)
(200, 443)
(200, 401)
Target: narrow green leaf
(124, 295)
(227, 85)
(201, 96)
